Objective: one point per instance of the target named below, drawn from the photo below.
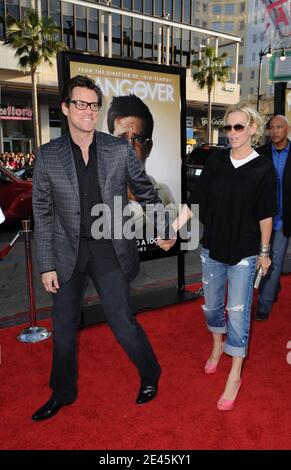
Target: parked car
(25, 172)
(195, 162)
(15, 196)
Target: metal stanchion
(33, 333)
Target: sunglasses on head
(236, 127)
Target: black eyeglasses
(82, 105)
(236, 127)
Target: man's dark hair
(131, 105)
(83, 82)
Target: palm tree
(211, 68)
(35, 40)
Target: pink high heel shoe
(226, 405)
(211, 368)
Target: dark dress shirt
(101, 250)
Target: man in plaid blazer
(72, 174)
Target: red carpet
(183, 416)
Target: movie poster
(159, 94)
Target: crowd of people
(15, 161)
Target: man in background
(279, 150)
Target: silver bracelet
(265, 247)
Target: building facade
(170, 32)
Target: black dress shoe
(261, 316)
(48, 410)
(147, 392)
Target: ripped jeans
(239, 278)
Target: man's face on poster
(133, 129)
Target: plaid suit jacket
(56, 201)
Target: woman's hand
(265, 262)
(165, 244)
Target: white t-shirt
(2, 216)
(243, 161)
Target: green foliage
(211, 68)
(34, 39)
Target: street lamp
(268, 52)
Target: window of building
(137, 5)
(255, 19)
(12, 7)
(229, 61)
(216, 26)
(93, 23)
(216, 9)
(148, 7)
(176, 46)
(168, 8)
(252, 74)
(68, 24)
(251, 90)
(55, 117)
(229, 8)
(187, 11)
(127, 4)
(254, 38)
(148, 40)
(44, 5)
(241, 59)
(240, 76)
(54, 10)
(197, 6)
(205, 7)
(253, 56)
(177, 10)
(242, 7)
(25, 5)
(229, 26)
(116, 34)
(196, 42)
(204, 24)
(158, 8)
(126, 36)
(185, 49)
(81, 28)
(137, 38)
(242, 25)
(54, 123)
(1, 18)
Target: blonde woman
(237, 200)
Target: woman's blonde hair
(252, 115)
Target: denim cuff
(235, 351)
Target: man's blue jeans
(239, 278)
(270, 283)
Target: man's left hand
(165, 244)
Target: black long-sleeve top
(232, 201)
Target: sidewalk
(14, 303)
